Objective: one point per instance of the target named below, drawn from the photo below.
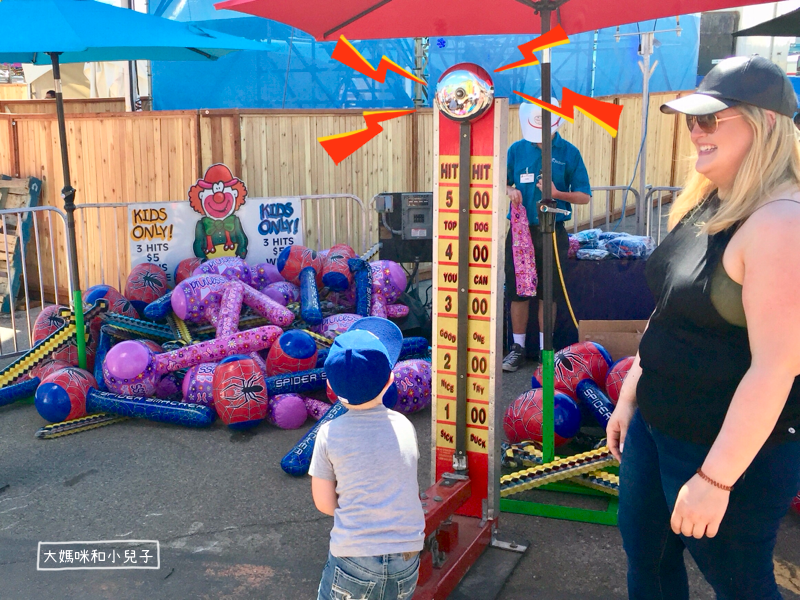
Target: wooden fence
(13, 91)
(156, 156)
(78, 106)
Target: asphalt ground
(232, 525)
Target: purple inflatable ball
(265, 273)
(316, 409)
(287, 411)
(282, 292)
(198, 384)
(413, 381)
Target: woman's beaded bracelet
(717, 484)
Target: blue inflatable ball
(234, 358)
(52, 402)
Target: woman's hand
(699, 509)
(515, 195)
(617, 427)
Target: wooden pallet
(15, 194)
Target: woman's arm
(617, 427)
(771, 267)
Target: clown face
(219, 201)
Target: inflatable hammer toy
(336, 275)
(160, 308)
(200, 298)
(283, 292)
(46, 348)
(297, 383)
(229, 267)
(300, 265)
(289, 411)
(298, 460)
(616, 377)
(362, 280)
(240, 396)
(264, 274)
(576, 362)
(602, 407)
(388, 283)
(103, 346)
(133, 369)
(69, 395)
(137, 327)
(146, 282)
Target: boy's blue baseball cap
(360, 360)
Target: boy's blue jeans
(737, 562)
(387, 577)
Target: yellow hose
(563, 285)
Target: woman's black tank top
(696, 350)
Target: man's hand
(554, 194)
(515, 195)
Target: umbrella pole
(68, 194)
(547, 227)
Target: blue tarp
(299, 72)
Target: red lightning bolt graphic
(555, 37)
(342, 145)
(605, 114)
(346, 54)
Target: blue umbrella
(69, 31)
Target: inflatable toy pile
(584, 375)
(242, 343)
(595, 244)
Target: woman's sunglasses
(707, 123)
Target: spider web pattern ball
(294, 259)
(616, 375)
(577, 362)
(795, 505)
(523, 418)
(240, 394)
(146, 282)
(186, 268)
(336, 274)
(49, 321)
(62, 395)
(413, 381)
(294, 351)
(48, 367)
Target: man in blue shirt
(570, 186)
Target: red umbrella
(369, 19)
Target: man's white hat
(530, 119)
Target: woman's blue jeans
(387, 577)
(737, 562)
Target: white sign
(165, 233)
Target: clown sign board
(219, 219)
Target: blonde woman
(709, 416)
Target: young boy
(364, 473)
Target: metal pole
(646, 50)
(68, 194)
(547, 227)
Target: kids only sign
(219, 219)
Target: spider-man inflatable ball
(49, 321)
(577, 362)
(240, 394)
(62, 395)
(146, 282)
(186, 268)
(295, 351)
(616, 375)
(795, 505)
(294, 259)
(523, 418)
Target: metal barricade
(607, 222)
(658, 192)
(326, 220)
(31, 272)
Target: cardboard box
(620, 338)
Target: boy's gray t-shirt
(372, 455)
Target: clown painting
(217, 196)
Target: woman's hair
(772, 162)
